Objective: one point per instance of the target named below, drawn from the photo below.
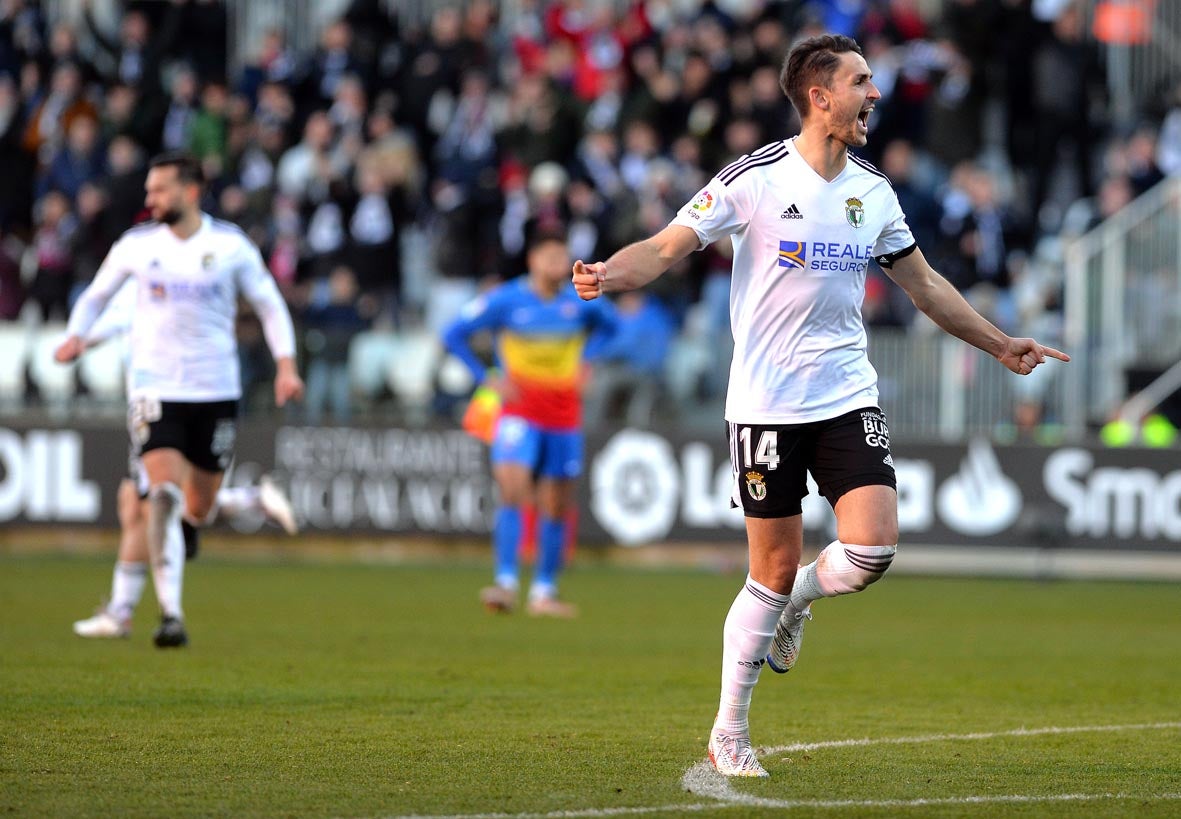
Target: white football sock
(750, 625)
(166, 546)
(237, 500)
(127, 587)
(840, 568)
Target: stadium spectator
(78, 161)
(12, 291)
(51, 119)
(50, 249)
(16, 195)
(336, 311)
(628, 381)
(135, 55)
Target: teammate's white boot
(103, 625)
(732, 755)
(789, 636)
(499, 599)
(276, 505)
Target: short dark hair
(812, 62)
(542, 233)
(188, 169)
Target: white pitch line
(1016, 732)
(747, 801)
(703, 780)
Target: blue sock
(506, 541)
(551, 543)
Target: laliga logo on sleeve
(979, 499)
(704, 201)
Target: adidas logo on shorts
(791, 213)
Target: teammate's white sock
(237, 500)
(750, 625)
(127, 587)
(166, 546)
(841, 568)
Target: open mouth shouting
(863, 119)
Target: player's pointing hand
(588, 279)
(1021, 355)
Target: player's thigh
(516, 447)
(868, 516)
(158, 435)
(559, 465)
(854, 469)
(212, 431)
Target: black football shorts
(204, 432)
(771, 461)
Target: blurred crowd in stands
(395, 169)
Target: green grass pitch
(363, 691)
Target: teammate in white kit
(806, 217)
(184, 385)
(113, 619)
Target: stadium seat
(370, 354)
(689, 359)
(54, 381)
(411, 371)
(103, 371)
(14, 342)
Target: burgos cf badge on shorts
(755, 486)
(793, 254)
(854, 212)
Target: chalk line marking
(703, 780)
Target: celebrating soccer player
(806, 218)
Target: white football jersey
(183, 341)
(801, 249)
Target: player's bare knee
(128, 504)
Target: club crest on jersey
(793, 254)
(854, 212)
(704, 201)
(207, 261)
(756, 487)
(157, 291)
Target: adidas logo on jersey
(791, 213)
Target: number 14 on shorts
(765, 451)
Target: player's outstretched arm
(943, 304)
(635, 265)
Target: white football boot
(549, 606)
(499, 599)
(789, 636)
(732, 755)
(276, 505)
(103, 626)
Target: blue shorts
(549, 453)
